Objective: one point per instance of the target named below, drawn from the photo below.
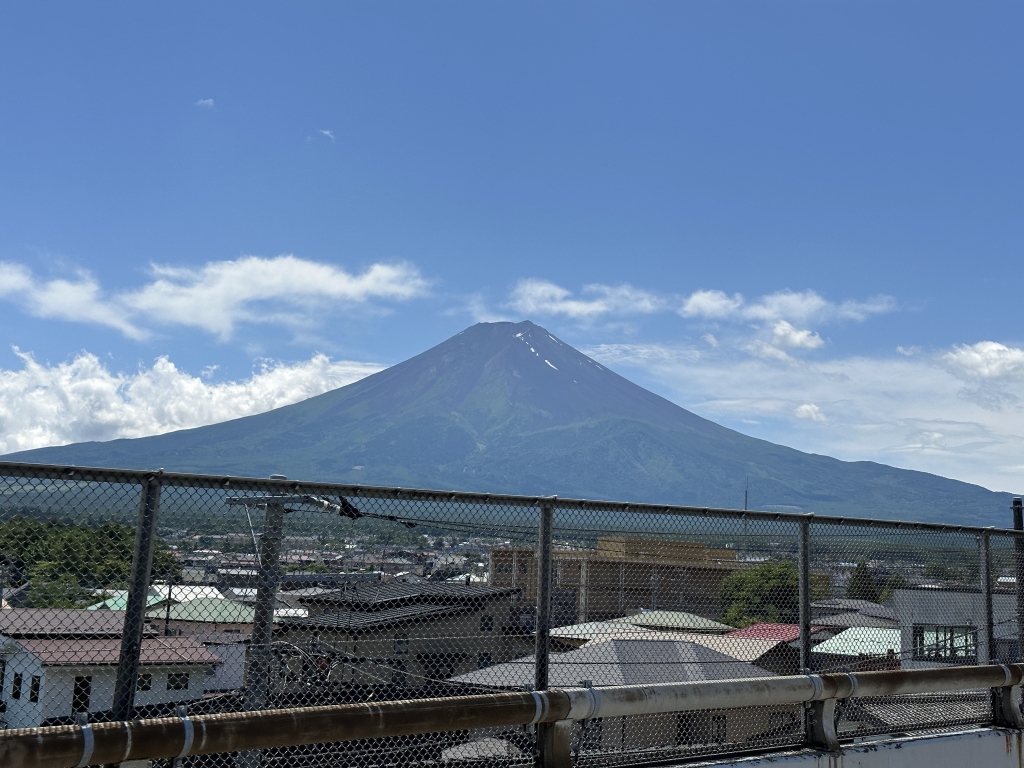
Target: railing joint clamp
(88, 740)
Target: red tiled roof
(156, 651)
(787, 633)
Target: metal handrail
(174, 737)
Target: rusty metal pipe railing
(170, 737)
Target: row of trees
(770, 592)
(64, 562)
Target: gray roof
(356, 621)
(367, 595)
(674, 620)
(836, 605)
(621, 662)
(853, 619)
(60, 622)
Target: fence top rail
(229, 482)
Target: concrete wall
(984, 748)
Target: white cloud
(785, 335)
(205, 103)
(224, 293)
(80, 400)
(985, 360)
(767, 351)
(787, 305)
(710, 339)
(328, 134)
(541, 298)
(216, 297)
(79, 300)
(809, 411)
(712, 305)
(910, 412)
(990, 369)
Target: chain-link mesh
(275, 594)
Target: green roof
(862, 641)
(679, 621)
(210, 609)
(120, 603)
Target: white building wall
(229, 675)
(58, 686)
(21, 712)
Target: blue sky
(802, 220)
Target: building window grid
(16, 681)
(144, 682)
(34, 684)
(177, 681)
(935, 642)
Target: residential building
(858, 649)
(946, 626)
(44, 680)
(642, 661)
(773, 655)
(412, 635)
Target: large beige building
(621, 576)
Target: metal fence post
(541, 651)
(985, 573)
(547, 744)
(138, 596)
(1018, 552)
(257, 673)
(804, 591)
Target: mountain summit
(509, 408)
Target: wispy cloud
(78, 299)
(220, 295)
(541, 298)
(792, 306)
(773, 318)
(328, 134)
(216, 297)
(954, 412)
(205, 103)
(81, 399)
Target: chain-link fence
(131, 594)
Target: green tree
(769, 592)
(862, 584)
(63, 562)
(894, 582)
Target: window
(82, 694)
(177, 681)
(483, 661)
(398, 674)
(33, 688)
(145, 682)
(401, 643)
(957, 644)
(3, 673)
(16, 685)
(719, 731)
(486, 623)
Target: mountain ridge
(510, 408)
